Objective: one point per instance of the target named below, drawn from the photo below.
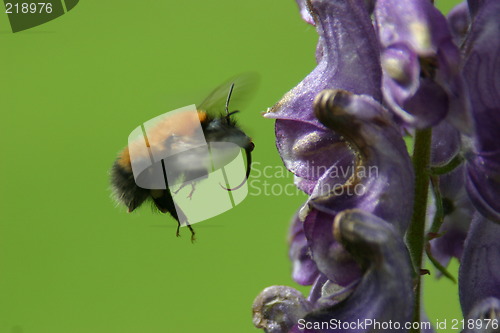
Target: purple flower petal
(316, 291)
(386, 289)
(416, 23)
(483, 184)
(489, 309)
(457, 208)
(304, 12)
(324, 293)
(458, 212)
(446, 144)
(448, 76)
(479, 277)
(330, 256)
(475, 5)
(459, 21)
(384, 171)
(305, 185)
(277, 309)
(305, 271)
(385, 292)
(350, 59)
(428, 106)
(482, 71)
(419, 31)
(381, 183)
(308, 151)
(401, 72)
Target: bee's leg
(193, 187)
(193, 238)
(181, 187)
(164, 202)
(178, 228)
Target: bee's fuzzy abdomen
(125, 188)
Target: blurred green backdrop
(71, 92)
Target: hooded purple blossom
(349, 62)
(482, 71)
(381, 184)
(457, 208)
(481, 172)
(323, 161)
(479, 279)
(459, 21)
(385, 292)
(305, 271)
(479, 276)
(421, 83)
(458, 212)
(475, 5)
(484, 317)
(446, 144)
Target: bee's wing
(244, 88)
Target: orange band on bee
(181, 124)
(202, 115)
(124, 160)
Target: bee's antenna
(228, 99)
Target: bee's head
(225, 129)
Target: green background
(71, 92)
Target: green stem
(452, 165)
(415, 236)
(438, 265)
(435, 227)
(439, 216)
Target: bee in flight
(177, 134)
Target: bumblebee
(179, 130)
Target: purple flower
(479, 277)
(278, 309)
(305, 271)
(483, 318)
(323, 162)
(446, 144)
(349, 62)
(475, 5)
(482, 71)
(385, 292)
(458, 212)
(421, 83)
(457, 208)
(479, 281)
(459, 21)
(382, 181)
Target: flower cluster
(389, 71)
